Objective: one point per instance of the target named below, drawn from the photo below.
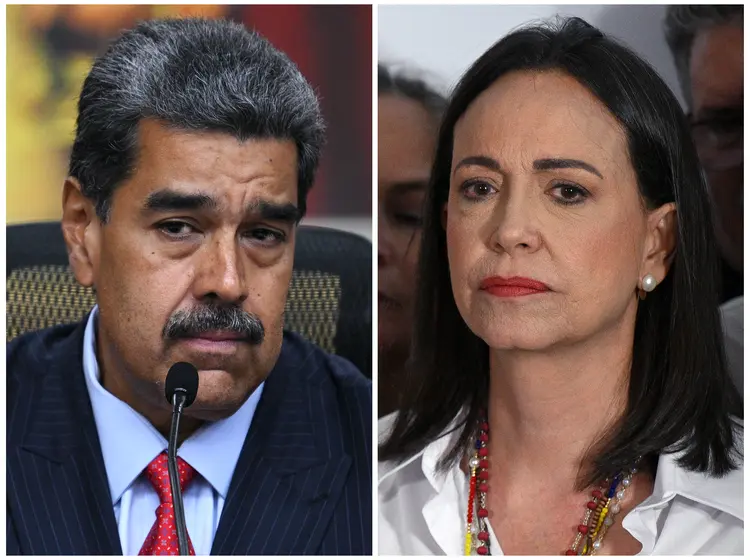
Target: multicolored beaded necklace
(598, 518)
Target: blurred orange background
(50, 49)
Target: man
(195, 147)
(707, 45)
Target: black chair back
(329, 303)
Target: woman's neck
(547, 409)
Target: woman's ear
(661, 241)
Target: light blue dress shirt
(129, 443)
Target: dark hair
(410, 87)
(680, 395)
(190, 74)
(683, 23)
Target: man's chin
(219, 395)
(218, 367)
(212, 410)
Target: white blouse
(732, 315)
(421, 511)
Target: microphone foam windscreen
(182, 375)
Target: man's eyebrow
(275, 212)
(168, 200)
(716, 113)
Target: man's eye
(176, 229)
(267, 236)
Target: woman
(568, 393)
(408, 118)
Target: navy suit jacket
(302, 484)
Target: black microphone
(180, 389)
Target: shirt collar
(721, 493)
(724, 494)
(429, 456)
(213, 450)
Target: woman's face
(542, 188)
(406, 140)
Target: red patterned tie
(162, 539)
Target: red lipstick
(512, 287)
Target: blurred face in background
(407, 136)
(716, 82)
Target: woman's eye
(475, 190)
(570, 194)
(176, 229)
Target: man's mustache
(191, 323)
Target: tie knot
(157, 473)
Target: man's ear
(82, 232)
(661, 242)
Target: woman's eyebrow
(564, 163)
(539, 165)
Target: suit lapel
(291, 470)
(58, 494)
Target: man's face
(716, 81)
(197, 251)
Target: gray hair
(191, 74)
(683, 23)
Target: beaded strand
(478, 486)
(598, 517)
(470, 511)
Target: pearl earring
(648, 283)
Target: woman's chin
(518, 338)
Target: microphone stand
(178, 402)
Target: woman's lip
(512, 291)
(500, 283)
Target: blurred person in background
(409, 113)
(707, 44)
(197, 143)
(567, 391)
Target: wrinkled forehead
(532, 115)
(229, 174)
